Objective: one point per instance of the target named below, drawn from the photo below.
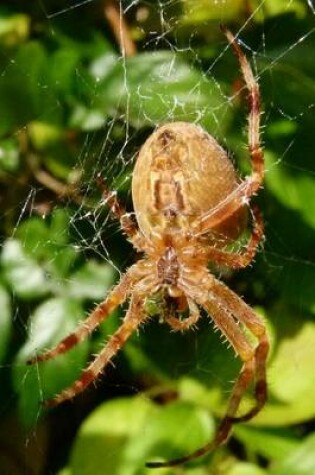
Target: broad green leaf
(42, 134)
(245, 468)
(102, 66)
(273, 444)
(51, 321)
(291, 373)
(293, 188)
(26, 91)
(111, 440)
(26, 278)
(201, 11)
(196, 471)
(9, 155)
(121, 435)
(46, 240)
(159, 87)
(85, 118)
(64, 63)
(92, 281)
(179, 429)
(277, 7)
(300, 462)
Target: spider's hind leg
(245, 315)
(223, 320)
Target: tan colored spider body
(189, 203)
(181, 172)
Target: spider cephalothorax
(189, 204)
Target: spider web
(187, 72)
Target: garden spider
(189, 204)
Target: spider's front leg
(116, 297)
(126, 287)
(134, 316)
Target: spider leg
(256, 153)
(134, 316)
(223, 319)
(182, 325)
(251, 184)
(244, 258)
(244, 314)
(116, 297)
(227, 207)
(110, 197)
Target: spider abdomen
(181, 172)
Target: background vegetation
(72, 106)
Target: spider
(189, 204)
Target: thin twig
(114, 15)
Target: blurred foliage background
(82, 84)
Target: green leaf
(46, 240)
(92, 281)
(179, 429)
(51, 321)
(244, 468)
(121, 435)
(64, 63)
(293, 188)
(105, 439)
(201, 11)
(273, 444)
(26, 91)
(26, 278)
(291, 373)
(43, 135)
(277, 7)
(160, 87)
(86, 119)
(9, 155)
(300, 462)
